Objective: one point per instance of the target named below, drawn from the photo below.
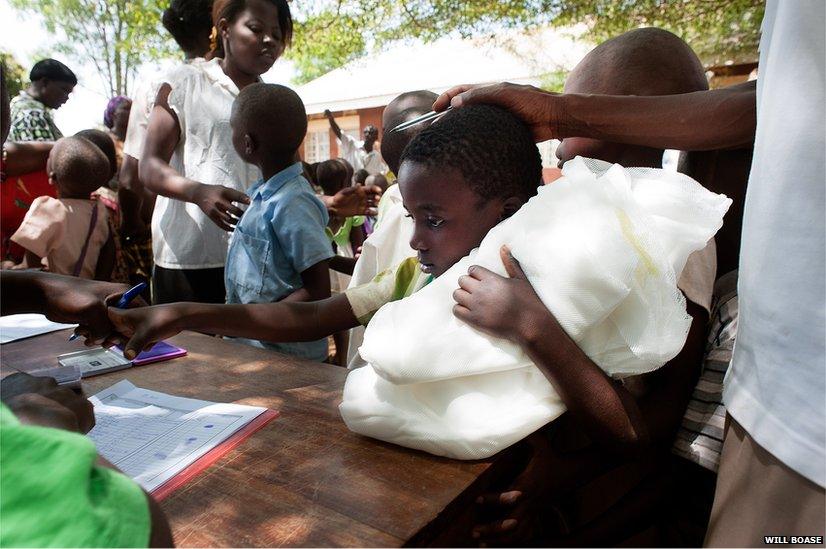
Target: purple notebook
(160, 351)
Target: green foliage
(334, 32)
(16, 76)
(116, 36)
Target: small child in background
(109, 198)
(360, 177)
(279, 250)
(71, 232)
(379, 181)
(346, 235)
(331, 176)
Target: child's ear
(52, 179)
(249, 145)
(510, 206)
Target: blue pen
(124, 300)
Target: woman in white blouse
(188, 157)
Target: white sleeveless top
(183, 237)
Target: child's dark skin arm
(509, 308)
(316, 281)
(344, 265)
(281, 321)
(609, 414)
(162, 136)
(106, 260)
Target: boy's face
(449, 218)
(240, 138)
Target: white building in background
(358, 92)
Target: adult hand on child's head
(216, 201)
(357, 200)
(539, 109)
(503, 307)
(144, 327)
(41, 401)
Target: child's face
(449, 218)
(255, 40)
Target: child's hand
(40, 401)
(216, 201)
(144, 326)
(503, 307)
(519, 515)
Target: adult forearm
(704, 120)
(22, 292)
(159, 177)
(28, 157)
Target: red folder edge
(205, 461)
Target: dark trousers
(199, 285)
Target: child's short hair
(78, 166)
(492, 149)
(189, 22)
(404, 107)
(360, 176)
(273, 114)
(103, 142)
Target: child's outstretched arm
(281, 321)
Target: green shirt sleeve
(53, 495)
(389, 285)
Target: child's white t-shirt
(183, 237)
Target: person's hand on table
(41, 401)
(502, 307)
(357, 200)
(216, 201)
(518, 516)
(76, 300)
(145, 326)
(539, 109)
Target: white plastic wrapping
(603, 247)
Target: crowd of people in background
(196, 186)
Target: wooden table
(304, 479)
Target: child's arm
(316, 281)
(106, 260)
(509, 308)
(162, 136)
(344, 265)
(281, 321)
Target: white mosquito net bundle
(603, 247)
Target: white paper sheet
(152, 436)
(14, 327)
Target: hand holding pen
(89, 299)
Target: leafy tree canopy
(333, 32)
(16, 76)
(116, 36)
